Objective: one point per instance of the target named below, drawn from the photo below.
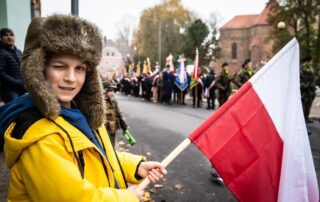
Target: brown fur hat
(61, 34)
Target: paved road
(157, 135)
(160, 128)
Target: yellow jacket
(43, 166)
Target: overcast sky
(107, 14)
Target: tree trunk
(307, 23)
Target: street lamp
(159, 41)
(281, 25)
(159, 35)
(75, 7)
(282, 39)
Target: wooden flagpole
(167, 160)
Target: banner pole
(196, 96)
(167, 160)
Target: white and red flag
(169, 61)
(196, 73)
(258, 141)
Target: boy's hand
(138, 192)
(153, 169)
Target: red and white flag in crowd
(170, 62)
(258, 141)
(196, 70)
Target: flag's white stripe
(274, 82)
(278, 87)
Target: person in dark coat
(167, 85)
(148, 86)
(126, 85)
(210, 89)
(135, 86)
(10, 75)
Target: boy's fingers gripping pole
(167, 160)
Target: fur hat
(61, 34)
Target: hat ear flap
(38, 87)
(90, 99)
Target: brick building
(111, 60)
(245, 36)
(114, 56)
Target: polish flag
(258, 141)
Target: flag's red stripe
(200, 130)
(244, 146)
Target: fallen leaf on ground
(178, 186)
(146, 196)
(121, 143)
(153, 190)
(158, 185)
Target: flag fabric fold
(146, 66)
(258, 142)
(195, 76)
(138, 70)
(170, 62)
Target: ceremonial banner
(181, 79)
(195, 77)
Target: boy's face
(66, 74)
(110, 94)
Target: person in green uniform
(114, 118)
(244, 74)
(223, 84)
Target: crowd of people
(162, 86)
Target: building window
(107, 53)
(112, 54)
(234, 50)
